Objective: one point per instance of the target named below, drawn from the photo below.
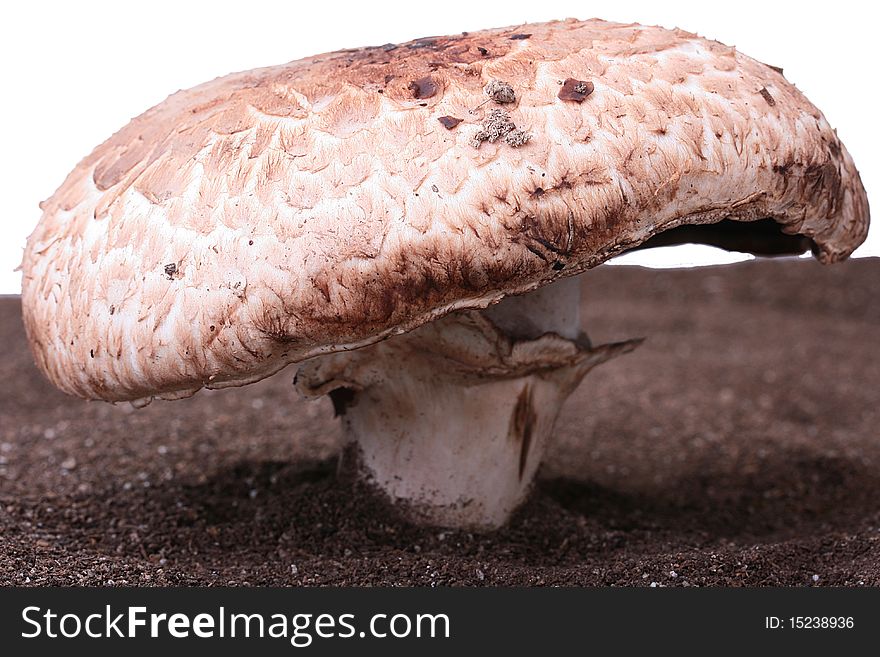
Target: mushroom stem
(452, 420)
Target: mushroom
(418, 263)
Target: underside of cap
(270, 216)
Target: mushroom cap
(273, 215)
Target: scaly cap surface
(272, 215)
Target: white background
(75, 72)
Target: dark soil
(737, 446)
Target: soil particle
(501, 92)
(498, 125)
(517, 138)
(736, 447)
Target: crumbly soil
(738, 446)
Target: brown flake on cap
(449, 122)
(423, 88)
(576, 90)
(290, 199)
(765, 94)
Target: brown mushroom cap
(269, 216)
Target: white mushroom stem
(452, 419)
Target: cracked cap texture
(273, 215)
